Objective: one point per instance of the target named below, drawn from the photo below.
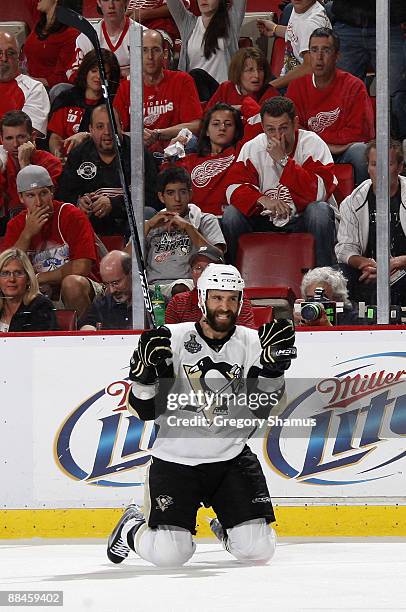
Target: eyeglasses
(9, 53)
(13, 273)
(113, 284)
(322, 50)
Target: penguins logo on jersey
(192, 346)
(163, 501)
(212, 383)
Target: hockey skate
(117, 547)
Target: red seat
(67, 320)
(262, 314)
(345, 176)
(269, 293)
(263, 6)
(1, 243)
(278, 54)
(275, 259)
(245, 41)
(113, 243)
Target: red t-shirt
(27, 94)
(229, 93)
(71, 228)
(66, 120)
(48, 58)
(8, 177)
(174, 100)
(340, 113)
(209, 176)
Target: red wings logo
(203, 173)
(323, 120)
(281, 192)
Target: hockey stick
(74, 20)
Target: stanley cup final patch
(163, 501)
(192, 346)
(87, 170)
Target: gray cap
(211, 252)
(32, 177)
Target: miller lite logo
(358, 428)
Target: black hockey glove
(277, 340)
(154, 348)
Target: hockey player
(181, 376)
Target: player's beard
(221, 326)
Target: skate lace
(120, 548)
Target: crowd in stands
(229, 149)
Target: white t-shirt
(300, 27)
(216, 65)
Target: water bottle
(158, 306)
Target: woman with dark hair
(248, 75)
(50, 47)
(71, 110)
(217, 149)
(22, 307)
(208, 41)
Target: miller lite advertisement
(69, 441)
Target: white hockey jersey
(208, 413)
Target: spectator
(22, 307)
(355, 24)
(70, 111)
(154, 15)
(113, 310)
(283, 180)
(19, 91)
(248, 75)
(90, 177)
(307, 15)
(170, 97)
(356, 241)
(173, 234)
(113, 33)
(216, 152)
(334, 285)
(19, 144)
(334, 104)
(208, 41)
(50, 46)
(184, 306)
(58, 239)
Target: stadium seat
(67, 320)
(345, 177)
(245, 41)
(261, 296)
(262, 314)
(278, 54)
(263, 6)
(275, 259)
(113, 243)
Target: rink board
(72, 456)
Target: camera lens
(312, 311)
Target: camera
(313, 309)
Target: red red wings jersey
(308, 176)
(340, 113)
(26, 94)
(66, 121)
(209, 176)
(174, 100)
(230, 93)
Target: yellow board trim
(340, 521)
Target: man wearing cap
(59, 240)
(184, 306)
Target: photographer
(333, 292)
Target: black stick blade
(74, 20)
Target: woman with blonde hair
(22, 307)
